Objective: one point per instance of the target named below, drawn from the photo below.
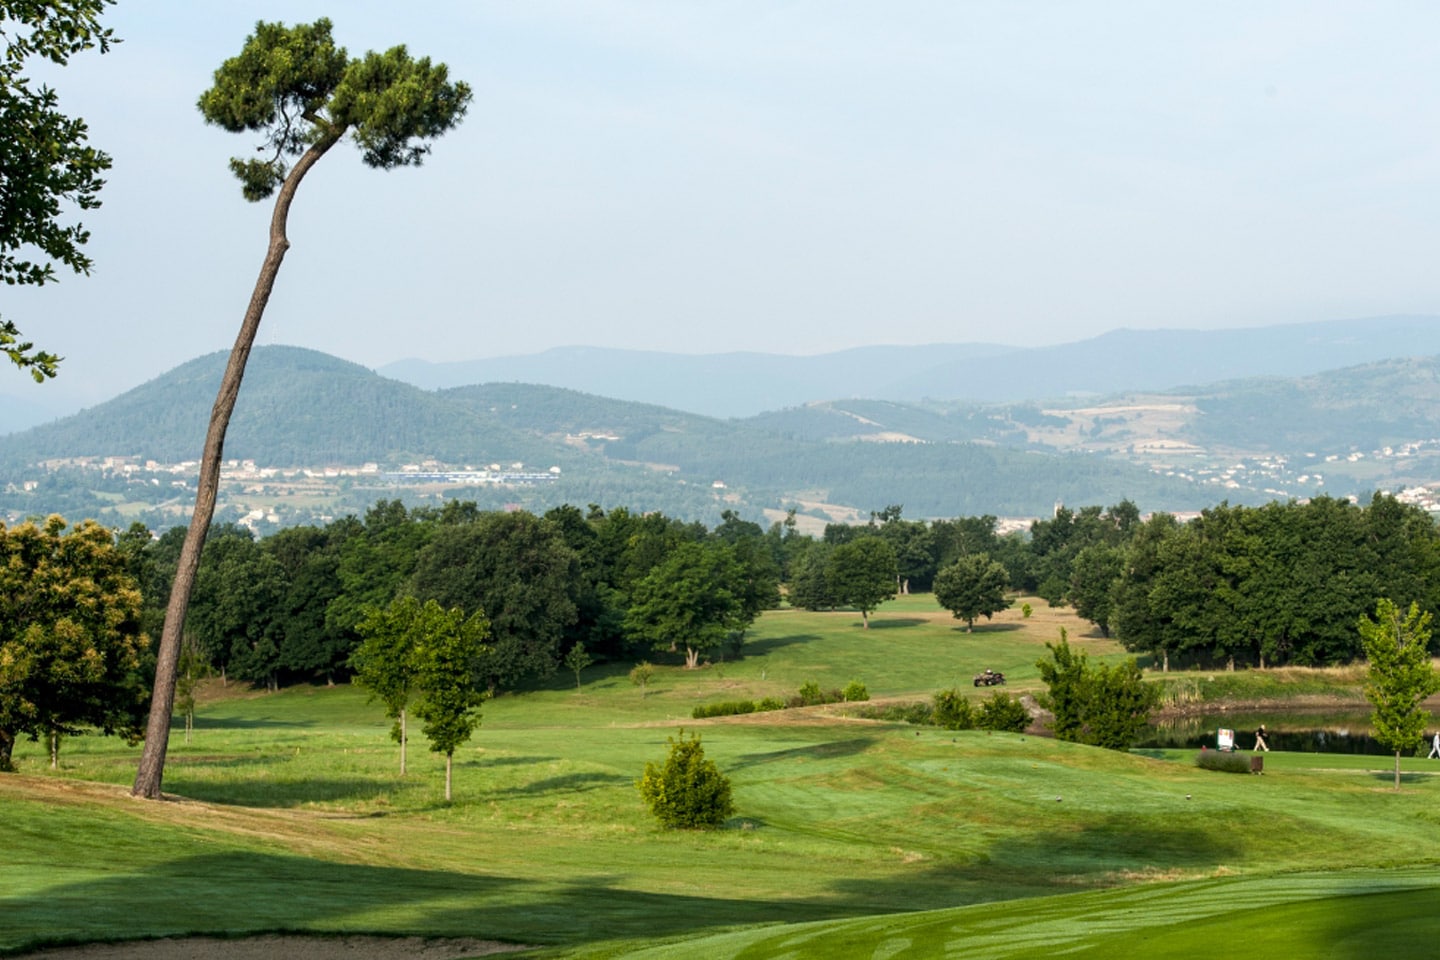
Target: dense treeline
(1279, 584)
(1285, 583)
(286, 608)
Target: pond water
(1329, 732)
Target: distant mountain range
(745, 384)
(1345, 431)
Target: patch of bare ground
(276, 945)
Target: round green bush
(688, 791)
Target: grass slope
(295, 819)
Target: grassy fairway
(295, 818)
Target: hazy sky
(795, 177)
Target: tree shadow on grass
(819, 751)
(283, 793)
(238, 892)
(892, 623)
(1405, 777)
(242, 723)
(510, 761)
(569, 783)
(767, 645)
(984, 627)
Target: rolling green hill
(299, 408)
(851, 837)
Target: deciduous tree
(302, 94)
(70, 640)
(47, 166)
(385, 661)
(1401, 676)
(518, 570)
(449, 646)
(973, 586)
(861, 574)
(694, 599)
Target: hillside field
(852, 837)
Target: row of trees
(1284, 583)
(290, 607)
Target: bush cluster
(999, 711)
(918, 713)
(725, 708)
(809, 695)
(951, 710)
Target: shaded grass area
(1308, 916)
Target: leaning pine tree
(304, 95)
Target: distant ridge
(746, 384)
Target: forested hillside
(301, 409)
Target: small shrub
(811, 695)
(1222, 760)
(855, 692)
(688, 791)
(770, 703)
(1003, 712)
(725, 708)
(640, 675)
(952, 711)
(919, 713)
(1026, 610)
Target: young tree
(47, 166)
(640, 676)
(70, 640)
(449, 647)
(385, 661)
(303, 95)
(1401, 676)
(862, 574)
(577, 659)
(1103, 706)
(973, 586)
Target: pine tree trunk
(150, 775)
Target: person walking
(1435, 749)
(1260, 743)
